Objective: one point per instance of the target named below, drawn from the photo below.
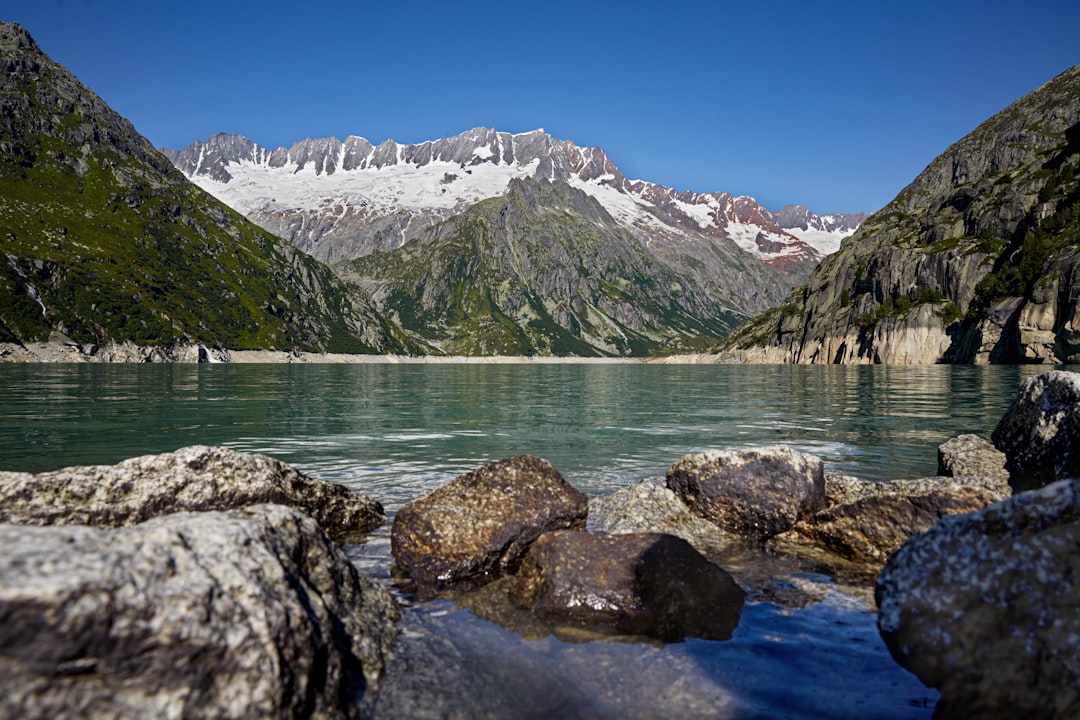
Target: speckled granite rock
(194, 478)
(640, 583)
(480, 525)
(971, 456)
(983, 607)
(250, 613)
(1040, 433)
(759, 491)
(651, 506)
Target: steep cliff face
(546, 270)
(975, 261)
(103, 240)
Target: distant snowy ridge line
(324, 188)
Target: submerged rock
(983, 607)
(759, 492)
(1040, 433)
(641, 584)
(480, 525)
(194, 478)
(250, 613)
(971, 456)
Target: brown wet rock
(641, 584)
(480, 525)
(758, 492)
(868, 530)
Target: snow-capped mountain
(342, 200)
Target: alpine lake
(398, 431)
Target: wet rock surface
(983, 607)
(480, 525)
(640, 584)
(865, 522)
(758, 492)
(250, 613)
(867, 530)
(194, 478)
(1040, 433)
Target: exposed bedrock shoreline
(188, 560)
(59, 349)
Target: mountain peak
(106, 241)
(340, 200)
(14, 37)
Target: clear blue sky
(837, 105)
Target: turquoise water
(396, 432)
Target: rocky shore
(211, 583)
(61, 349)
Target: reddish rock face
(758, 492)
(480, 525)
(639, 583)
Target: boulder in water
(1040, 433)
(480, 525)
(758, 492)
(639, 583)
(971, 456)
(877, 518)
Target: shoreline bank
(63, 350)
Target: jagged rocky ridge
(339, 200)
(546, 270)
(975, 261)
(102, 240)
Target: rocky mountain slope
(342, 200)
(977, 260)
(103, 240)
(545, 269)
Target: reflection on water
(396, 432)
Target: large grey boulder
(194, 478)
(758, 492)
(983, 607)
(249, 613)
(638, 583)
(1040, 433)
(480, 525)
